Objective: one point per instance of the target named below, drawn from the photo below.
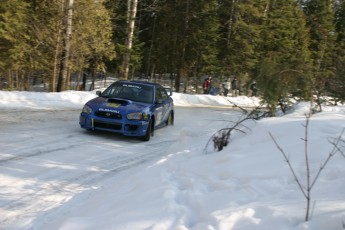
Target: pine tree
(337, 87)
(32, 34)
(92, 45)
(284, 63)
(186, 38)
(118, 11)
(201, 47)
(320, 15)
(164, 35)
(13, 41)
(241, 23)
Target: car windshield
(130, 91)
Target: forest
(291, 48)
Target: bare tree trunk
(182, 68)
(77, 87)
(20, 82)
(57, 52)
(129, 43)
(62, 85)
(153, 69)
(266, 9)
(177, 81)
(52, 87)
(93, 78)
(307, 168)
(230, 22)
(10, 79)
(151, 46)
(17, 80)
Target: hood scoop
(119, 101)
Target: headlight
(137, 116)
(87, 109)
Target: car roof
(140, 82)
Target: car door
(163, 106)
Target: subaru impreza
(131, 108)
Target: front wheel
(149, 132)
(170, 120)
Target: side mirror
(98, 93)
(169, 91)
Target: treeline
(289, 47)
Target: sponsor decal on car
(132, 86)
(109, 110)
(145, 116)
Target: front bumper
(123, 126)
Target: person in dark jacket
(207, 85)
(226, 87)
(234, 87)
(254, 89)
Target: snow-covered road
(46, 159)
(57, 176)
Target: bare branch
(331, 154)
(337, 146)
(221, 138)
(308, 191)
(290, 166)
(340, 150)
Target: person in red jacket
(207, 85)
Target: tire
(148, 133)
(170, 120)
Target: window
(161, 94)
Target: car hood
(116, 105)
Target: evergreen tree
(284, 63)
(13, 41)
(201, 46)
(163, 37)
(320, 14)
(46, 27)
(118, 11)
(32, 34)
(185, 43)
(92, 45)
(241, 23)
(337, 87)
(266, 40)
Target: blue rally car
(132, 108)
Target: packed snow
(183, 184)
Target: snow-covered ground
(54, 175)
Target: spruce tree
(241, 23)
(92, 44)
(32, 37)
(201, 50)
(118, 11)
(283, 69)
(320, 15)
(14, 41)
(337, 87)
(185, 43)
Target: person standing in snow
(234, 87)
(226, 87)
(253, 88)
(207, 85)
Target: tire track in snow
(66, 162)
(70, 185)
